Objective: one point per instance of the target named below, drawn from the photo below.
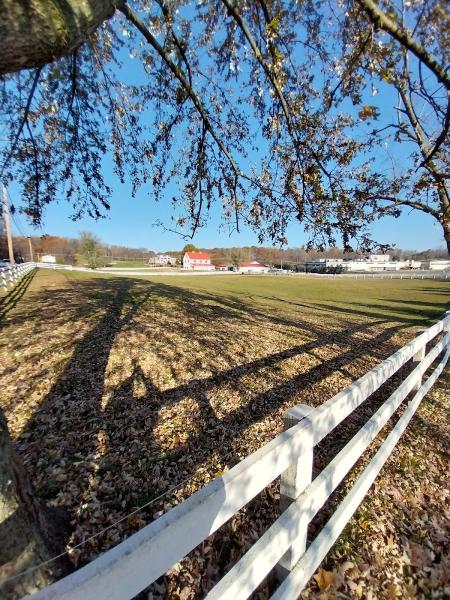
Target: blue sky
(131, 221)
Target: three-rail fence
(130, 567)
(12, 274)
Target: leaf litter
(118, 390)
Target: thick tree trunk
(24, 538)
(35, 32)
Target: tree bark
(25, 540)
(446, 228)
(35, 32)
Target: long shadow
(376, 310)
(438, 291)
(71, 411)
(394, 314)
(86, 446)
(421, 304)
(10, 301)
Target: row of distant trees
(284, 257)
(89, 249)
(72, 251)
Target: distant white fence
(10, 275)
(441, 275)
(132, 271)
(130, 567)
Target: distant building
(162, 260)
(413, 264)
(48, 258)
(378, 258)
(253, 266)
(198, 261)
(436, 264)
(374, 263)
(323, 264)
(222, 267)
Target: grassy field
(127, 264)
(117, 389)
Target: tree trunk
(35, 32)
(24, 537)
(446, 228)
(444, 219)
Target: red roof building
(201, 261)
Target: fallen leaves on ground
(118, 390)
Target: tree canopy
(266, 108)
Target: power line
(20, 230)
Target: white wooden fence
(437, 275)
(125, 570)
(10, 275)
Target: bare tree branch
(441, 138)
(23, 120)
(383, 21)
(138, 23)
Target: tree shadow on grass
(101, 458)
(10, 301)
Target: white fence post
(418, 358)
(293, 482)
(447, 322)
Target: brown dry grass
(117, 389)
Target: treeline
(281, 257)
(67, 250)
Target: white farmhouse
(197, 261)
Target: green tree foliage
(91, 250)
(189, 248)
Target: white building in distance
(48, 258)
(253, 266)
(197, 261)
(436, 264)
(374, 263)
(162, 260)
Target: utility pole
(31, 248)
(8, 226)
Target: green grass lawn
(116, 389)
(127, 264)
(408, 301)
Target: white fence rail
(437, 275)
(127, 569)
(10, 275)
(419, 274)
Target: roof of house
(252, 263)
(198, 255)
